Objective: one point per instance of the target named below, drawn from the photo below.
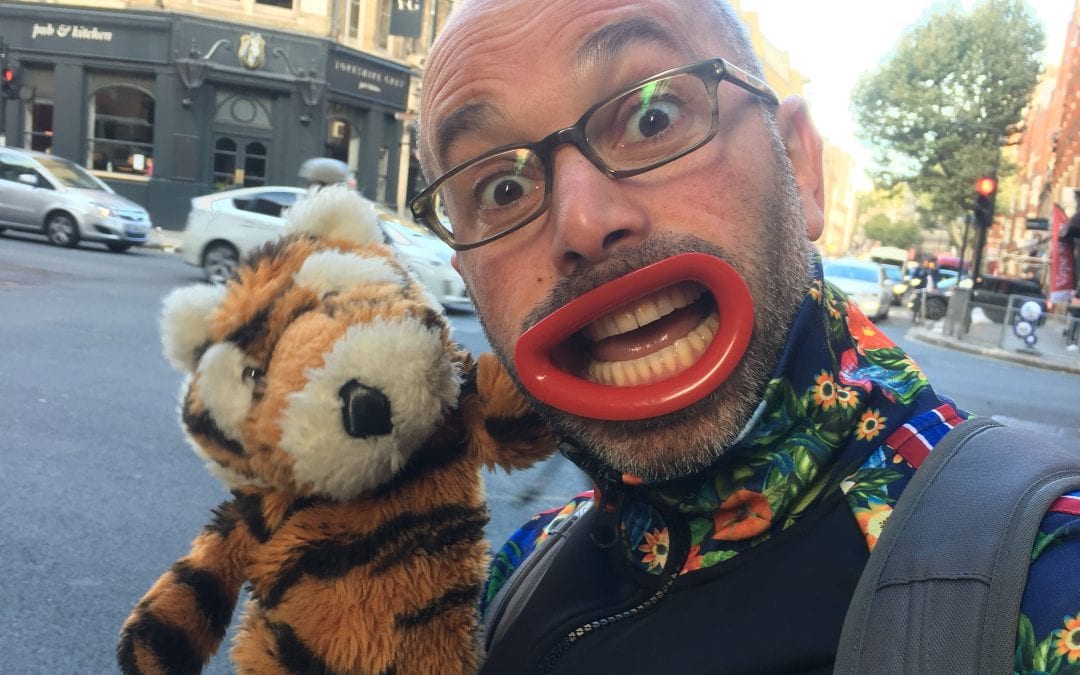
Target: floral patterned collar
(840, 388)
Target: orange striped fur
(326, 392)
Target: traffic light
(986, 191)
(9, 82)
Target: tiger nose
(364, 411)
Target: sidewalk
(165, 240)
(1045, 355)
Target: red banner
(1062, 274)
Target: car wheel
(935, 308)
(118, 246)
(220, 262)
(61, 230)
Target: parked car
(990, 293)
(222, 227)
(44, 193)
(864, 282)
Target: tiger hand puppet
(324, 390)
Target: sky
(861, 34)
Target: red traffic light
(8, 75)
(986, 186)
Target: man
(646, 272)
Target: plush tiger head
(322, 366)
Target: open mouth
(653, 338)
(648, 343)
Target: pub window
(286, 4)
(121, 130)
(40, 134)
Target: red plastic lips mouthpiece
(577, 396)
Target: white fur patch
(329, 271)
(224, 392)
(404, 360)
(185, 323)
(335, 212)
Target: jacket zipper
(677, 553)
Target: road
(100, 493)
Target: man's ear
(804, 149)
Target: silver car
(223, 227)
(865, 284)
(44, 193)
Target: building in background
(168, 99)
(839, 234)
(1048, 160)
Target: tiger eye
(252, 373)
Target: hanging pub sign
(405, 17)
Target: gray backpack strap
(942, 589)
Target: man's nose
(589, 212)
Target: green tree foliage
(938, 109)
(888, 233)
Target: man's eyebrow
(463, 120)
(605, 44)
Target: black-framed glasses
(650, 123)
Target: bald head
(476, 22)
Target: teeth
(645, 312)
(674, 358)
(625, 322)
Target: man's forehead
(583, 39)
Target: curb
(1050, 363)
(163, 240)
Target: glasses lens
(652, 123)
(491, 196)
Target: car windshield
(892, 273)
(857, 272)
(72, 175)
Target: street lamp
(311, 88)
(192, 70)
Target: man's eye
(650, 121)
(501, 191)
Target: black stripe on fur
(523, 428)
(255, 329)
(455, 597)
(249, 508)
(169, 645)
(203, 424)
(293, 655)
(468, 530)
(437, 453)
(223, 521)
(335, 557)
(211, 597)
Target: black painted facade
(224, 103)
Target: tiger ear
(503, 429)
(335, 212)
(185, 324)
